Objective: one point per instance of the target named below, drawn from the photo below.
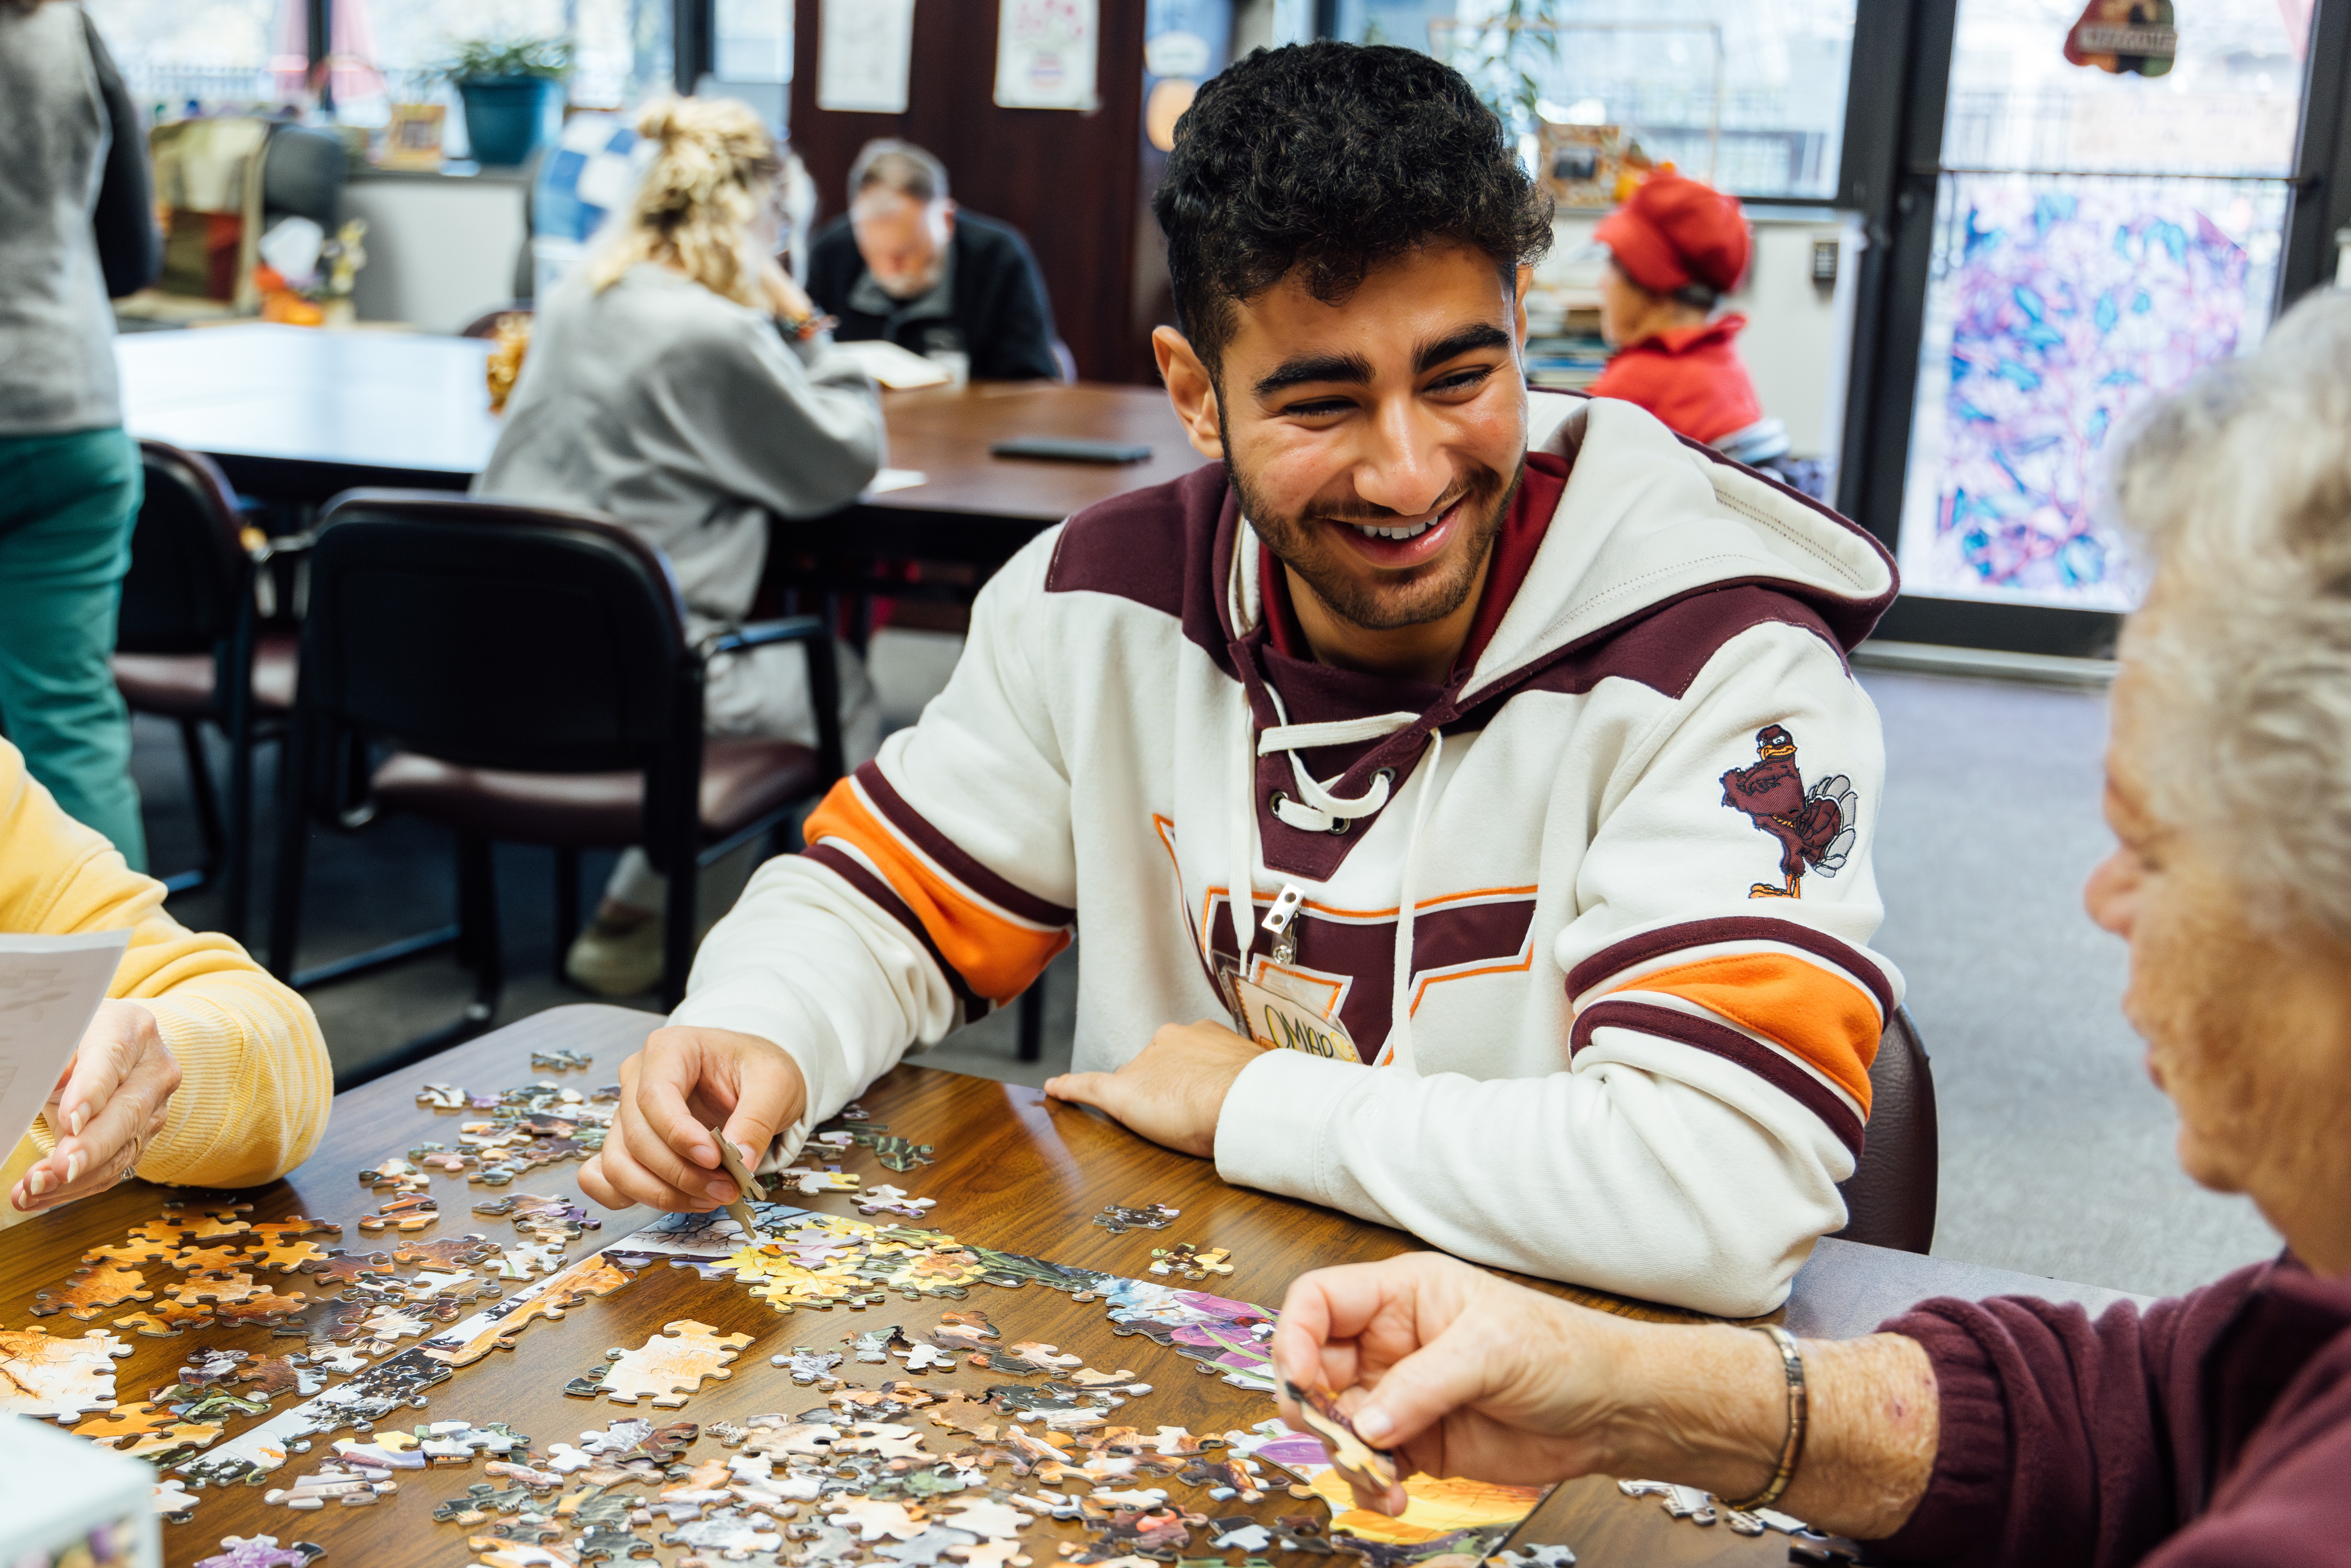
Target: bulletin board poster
(1045, 53)
(864, 50)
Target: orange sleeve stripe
(997, 957)
(1827, 1021)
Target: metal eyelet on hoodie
(1280, 797)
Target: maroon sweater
(2212, 1428)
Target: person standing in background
(1675, 249)
(76, 227)
(908, 265)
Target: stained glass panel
(2055, 309)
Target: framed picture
(1581, 164)
(412, 140)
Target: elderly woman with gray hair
(2211, 1428)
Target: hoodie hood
(1647, 519)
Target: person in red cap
(1675, 249)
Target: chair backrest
(486, 325)
(491, 635)
(1890, 1197)
(187, 560)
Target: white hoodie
(1617, 1061)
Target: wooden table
(1013, 1172)
(295, 415)
(981, 509)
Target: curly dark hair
(1329, 159)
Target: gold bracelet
(1799, 1410)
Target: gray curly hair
(2241, 486)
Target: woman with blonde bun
(681, 383)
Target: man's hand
(107, 1105)
(1172, 1092)
(659, 1150)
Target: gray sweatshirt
(57, 331)
(687, 417)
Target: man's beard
(1412, 598)
(908, 288)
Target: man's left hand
(1172, 1092)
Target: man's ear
(1192, 389)
(1526, 281)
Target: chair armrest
(824, 679)
(760, 633)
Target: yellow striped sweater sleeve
(255, 1081)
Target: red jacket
(1690, 377)
(2212, 1428)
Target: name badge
(1282, 1023)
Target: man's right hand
(659, 1151)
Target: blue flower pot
(509, 118)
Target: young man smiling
(1506, 709)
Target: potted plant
(513, 93)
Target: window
(208, 51)
(620, 49)
(2097, 239)
(1747, 95)
(235, 53)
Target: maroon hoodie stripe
(948, 853)
(1640, 949)
(1721, 1040)
(975, 1006)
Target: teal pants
(67, 506)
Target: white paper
(862, 47)
(893, 366)
(49, 989)
(890, 479)
(1045, 53)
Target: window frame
(1894, 140)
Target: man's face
(904, 241)
(1375, 443)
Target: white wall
(1798, 336)
(441, 248)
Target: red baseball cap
(1674, 232)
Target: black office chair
(189, 648)
(1890, 1197)
(531, 669)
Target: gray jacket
(687, 417)
(57, 331)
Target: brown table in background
(296, 415)
(980, 509)
(1013, 1172)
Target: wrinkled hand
(1172, 1090)
(109, 1103)
(1459, 1372)
(659, 1150)
(784, 296)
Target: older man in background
(2213, 1428)
(906, 265)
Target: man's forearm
(1708, 1407)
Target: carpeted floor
(2057, 1152)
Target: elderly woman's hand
(1461, 1373)
(108, 1104)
